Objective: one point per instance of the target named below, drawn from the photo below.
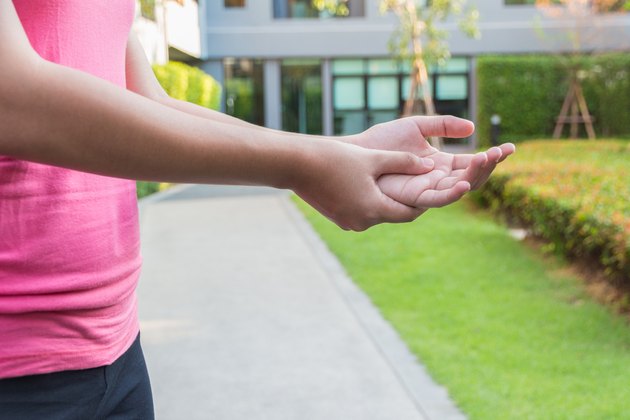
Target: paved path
(246, 315)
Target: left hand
(453, 174)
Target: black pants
(120, 391)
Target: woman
(81, 114)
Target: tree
(419, 41)
(584, 37)
(334, 7)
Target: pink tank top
(69, 241)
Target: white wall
(182, 23)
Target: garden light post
(495, 130)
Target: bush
(188, 83)
(528, 91)
(144, 188)
(574, 194)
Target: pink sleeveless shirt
(69, 241)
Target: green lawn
(506, 331)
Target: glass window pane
(452, 87)
(302, 9)
(383, 93)
(405, 88)
(383, 66)
(301, 96)
(377, 117)
(352, 122)
(347, 67)
(244, 90)
(348, 93)
(454, 65)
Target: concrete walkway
(246, 315)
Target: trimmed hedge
(187, 83)
(527, 92)
(574, 194)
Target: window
(601, 6)
(291, 9)
(234, 3)
(302, 96)
(244, 91)
(368, 92)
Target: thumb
(444, 126)
(403, 163)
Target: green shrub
(144, 188)
(147, 9)
(528, 91)
(187, 83)
(574, 194)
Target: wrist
(353, 139)
(317, 157)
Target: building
(284, 65)
(168, 29)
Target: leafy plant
(527, 91)
(188, 83)
(147, 9)
(573, 194)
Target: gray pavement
(245, 314)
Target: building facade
(287, 66)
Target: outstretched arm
(453, 176)
(95, 126)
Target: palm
(453, 174)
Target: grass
(509, 333)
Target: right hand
(341, 183)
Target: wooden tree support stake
(574, 102)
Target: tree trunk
(419, 75)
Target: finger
(506, 150)
(494, 154)
(477, 165)
(494, 158)
(444, 126)
(462, 161)
(403, 163)
(434, 198)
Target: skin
(140, 133)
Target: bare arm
(95, 126)
(454, 174)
